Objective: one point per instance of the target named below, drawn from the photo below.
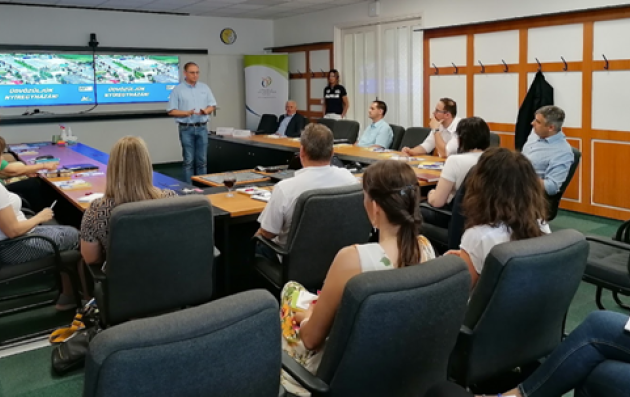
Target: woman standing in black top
(335, 97)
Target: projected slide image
(136, 78)
(46, 79)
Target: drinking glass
(229, 180)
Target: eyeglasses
(439, 111)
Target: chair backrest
(268, 124)
(394, 330)
(330, 123)
(458, 220)
(399, 132)
(554, 201)
(521, 300)
(324, 221)
(414, 136)
(230, 347)
(159, 258)
(346, 129)
(495, 140)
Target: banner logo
(266, 81)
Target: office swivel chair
(393, 332)
(413, 136)
(399, 133)
(268, 124)
(159, 258)
(324, 221)
(554, 201)
(521, 299)
(230, 347)
(346, 129)
(608, 265)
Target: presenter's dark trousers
(194, 140)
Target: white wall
(72, 27)
(319, 26)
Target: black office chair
(330, 123)
(413, 137)
(399, 133)
(495, 140)
(517, 310)
(324, 221)
(444, 239)
(346, 129)
(12, 273)
(268, 124)
(608, 265)
(230, 347)
(159, 258)
(554, 201)
(392, 333)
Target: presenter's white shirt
(479, 240)
(8, 198)
(448, 135)
(277, 215)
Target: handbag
(73, 341)
(70, 354)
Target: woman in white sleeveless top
(391, 201)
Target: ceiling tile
(266, 2)
(245, 6)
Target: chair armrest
(438, 210)
(10, 242)
(97, 273)
(309, 381)
(278, 249)
(27, 211)
(609, 242)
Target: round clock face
(228, 36)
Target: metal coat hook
(505, 66)
(566, 66)
(322, 71)
(539, 65)
(312, 73)
(437, 71)
(300, 73)
(456, 70)
(483, 68)
(606, 66)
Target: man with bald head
(291, 123)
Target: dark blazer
(540, 94)
(296, 125)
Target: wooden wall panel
(600, 184)
(611, 185)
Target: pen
(53, 204)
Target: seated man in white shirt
(443, 136)
(316, 151)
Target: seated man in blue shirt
(548, 150)
(379, 133)
(291, 123)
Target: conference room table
(69, 209)
(228, 153)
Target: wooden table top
(199, 178)
(83, 154)
(238, 205)
(339, 149)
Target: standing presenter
(190, 103)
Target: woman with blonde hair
(129, 179)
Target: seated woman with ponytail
(391, 201)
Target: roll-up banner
(266, 86)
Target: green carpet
(29, 375)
